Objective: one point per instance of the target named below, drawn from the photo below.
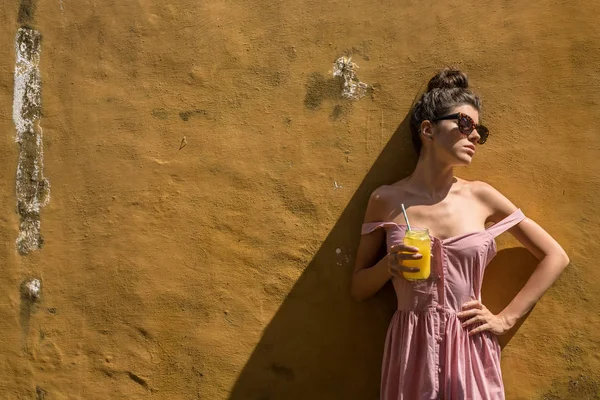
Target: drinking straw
(405, 217)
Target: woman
(441, 343)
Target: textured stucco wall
(213, 271)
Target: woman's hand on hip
(475, 312)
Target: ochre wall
(213, 272)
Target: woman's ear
(426, 130)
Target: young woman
(441, 343)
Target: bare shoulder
(380, 202)
(497, 204)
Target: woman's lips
(470, 149)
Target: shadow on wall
(504, 277)
(322, 344)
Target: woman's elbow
(560, 257)
(356, 292)
(356, 295)
(564, 257)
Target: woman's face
(448, 143)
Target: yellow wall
(212, 272)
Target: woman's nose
(474, 136)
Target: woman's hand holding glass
(398, 253)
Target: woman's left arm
(552, 261)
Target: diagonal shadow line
(321, 344)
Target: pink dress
(428, 354)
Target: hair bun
(448, 78)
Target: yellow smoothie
(418, 237)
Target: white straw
(405, 216)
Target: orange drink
(419, 238)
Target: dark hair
(449, 88)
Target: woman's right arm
(369, 273)
(366, 281)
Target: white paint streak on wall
(32, 189)
(353, 88)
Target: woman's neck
(432, 178)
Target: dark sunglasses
(466, 126)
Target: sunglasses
(466, 126)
